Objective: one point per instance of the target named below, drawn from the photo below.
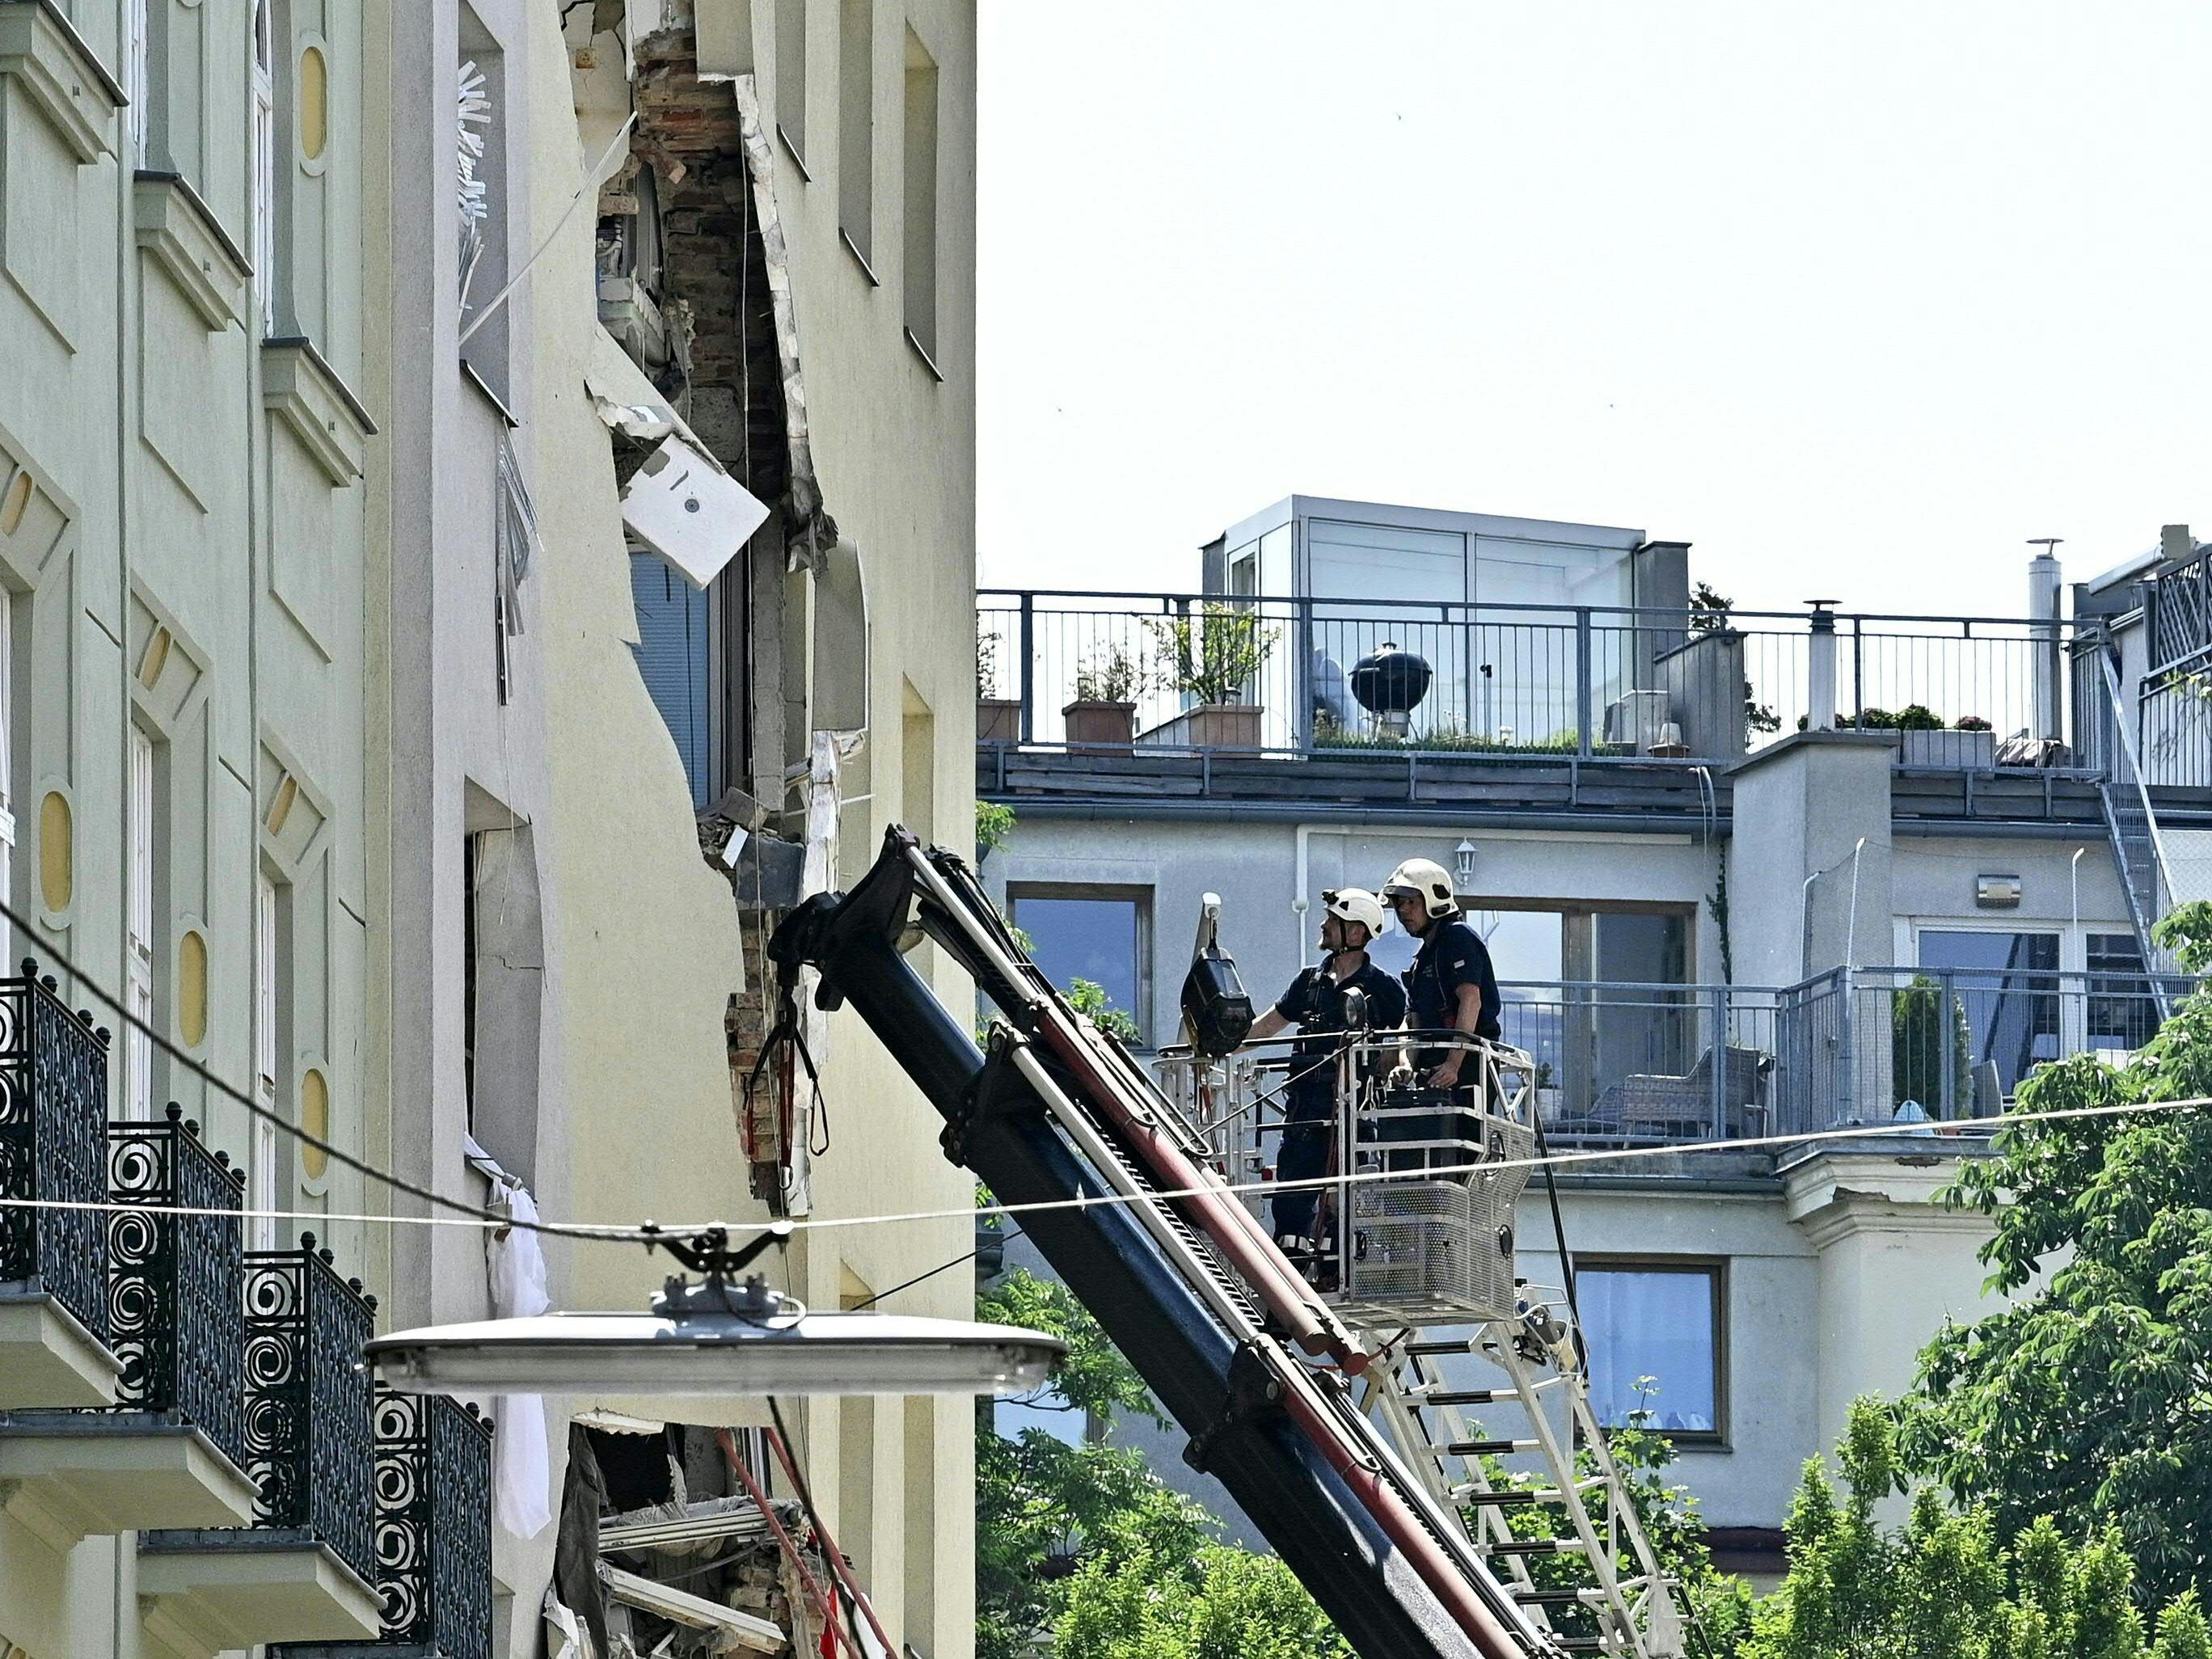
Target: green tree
(1084, 1541)
(2089, 1398)
(1919, 1047)
(1944, 1586)
(1214, 653)
(993, 823)
(1088, 998)
(1043, 1506)
(1223, 1603)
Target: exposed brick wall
(713, 262)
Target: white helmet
(1355, 904)
(1423, 880)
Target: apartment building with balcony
(1728, 896)
(192, 640)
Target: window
(138, 957)
(791, 77)
(261, 1232)
(138, 78)
(2004, 986)
(2123, 1012)
(921, 199)
(7, 772)
(673, 653)
(1660, 1320)
(469, 877)
(856, 128)
(1101, 934)
(264, 166)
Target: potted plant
(1970, 746)
(998, 720)
(1213, 655)
(1105, 712)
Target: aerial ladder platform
(1325, 1388)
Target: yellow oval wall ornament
(13, 504)
(314, 103)
(191, 987)
(315, 1119)
(57, 858)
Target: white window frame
(264, 166)
(261, 1232)
(138, 76)
(7, 772)
(138, 957)
(1715, 1271)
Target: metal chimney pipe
(1820, 687)
(2043, 589)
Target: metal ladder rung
(1490, 1448)
(1432, 1350)
(1585, 1595)
(1468, 1396)
(1535, 1495)
(1533, 1547)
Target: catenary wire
(637, 1234)
(477, 1215)
(463, 1213)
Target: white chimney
(2043, 590)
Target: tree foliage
(2090, 1399)
(1074, 1531)
(1944, 1586)
(1220, 1603)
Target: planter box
(1210, 726)
(1957, 751)
(1109, 724)
(998, 720)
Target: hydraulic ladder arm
(1054, 1112)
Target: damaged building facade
(780, 285)
(486, 500)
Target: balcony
(1101, 698)
(168, 1452)
(305, 1570)
(53, 1262)
(433, 1534)
(1923, 1051)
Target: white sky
(1854, 297)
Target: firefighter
(1451, 985)
(1317, 1003)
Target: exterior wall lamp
(1463, 864)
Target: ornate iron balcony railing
(309, 1399)
(434, 1524)
(176, 1319)
(53, 1115)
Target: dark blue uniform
(1315, 1004)
(1452, 955)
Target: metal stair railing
(2138, 845)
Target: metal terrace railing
(434, 1524)
(1508, 679)
(53, 1147)
(309, 1445)
(176, 1318)
(1645, 1064)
